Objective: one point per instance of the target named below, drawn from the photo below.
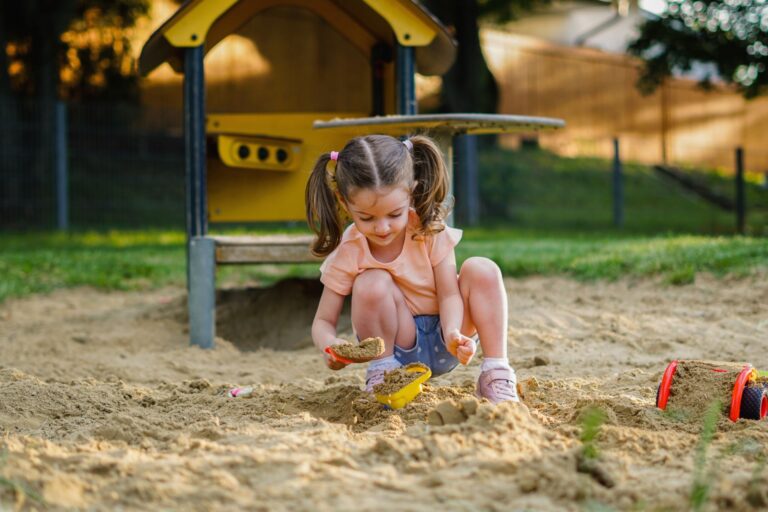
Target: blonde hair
(375, 162)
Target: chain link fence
(90, 166)
(118, 166)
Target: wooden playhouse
(334, 69)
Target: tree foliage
(73, 49)
(730, 35)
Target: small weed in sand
(704, 470)
(594, 506)
(591, 422)
(587, 460)
(19, 490)
(755, 496)
(676, 415)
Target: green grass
(675, 257)
(560, 209)
(536, 189)
(18, 489)
(124, 260)
(704, 467)
(115, 261)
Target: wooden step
(232, 250)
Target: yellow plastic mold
(406, 394)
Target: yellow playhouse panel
(279, 65)
(243, 187)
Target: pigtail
(431, 189)
(322, 208)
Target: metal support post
(61, 159)
(406, 80)
(202, 291)
(201, 261)
(618, 187)
(194, 141)
(467, 179)
(381, 54)
(741, 207)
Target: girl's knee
(372, 285)
(480, 270)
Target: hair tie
(408, 144)
(335, 156)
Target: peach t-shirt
(411, 271)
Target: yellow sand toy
(407, 393)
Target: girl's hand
(330, 361)
(462, 347)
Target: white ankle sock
(385, 363)
(493, 363)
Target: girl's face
(381, 215)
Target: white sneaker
(498, 385)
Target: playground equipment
(253, 166)
(748, 387)
(406, 394)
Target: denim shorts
(429, 348)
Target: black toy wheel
(754, 403)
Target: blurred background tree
(469, 85)
(730, 36)
(70, 49)
(74, 50)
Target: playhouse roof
(363, 22)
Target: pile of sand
(366, 350)
(104, 406)
(399, 378)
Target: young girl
(397, 260)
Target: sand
(702, 382)
(398, 378)
(366, 350)
(104, 406)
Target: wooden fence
(680, 124)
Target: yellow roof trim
(199, 22)
(408, 22)
(191, 29)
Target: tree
(730, 35)
(469, 85)
(71, 49)
(49, 50)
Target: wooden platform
(445, 124)
(232, 250)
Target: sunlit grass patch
(125, 260)
(677, 258)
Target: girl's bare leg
(485, 305)
(485, 310)
(379, 309)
